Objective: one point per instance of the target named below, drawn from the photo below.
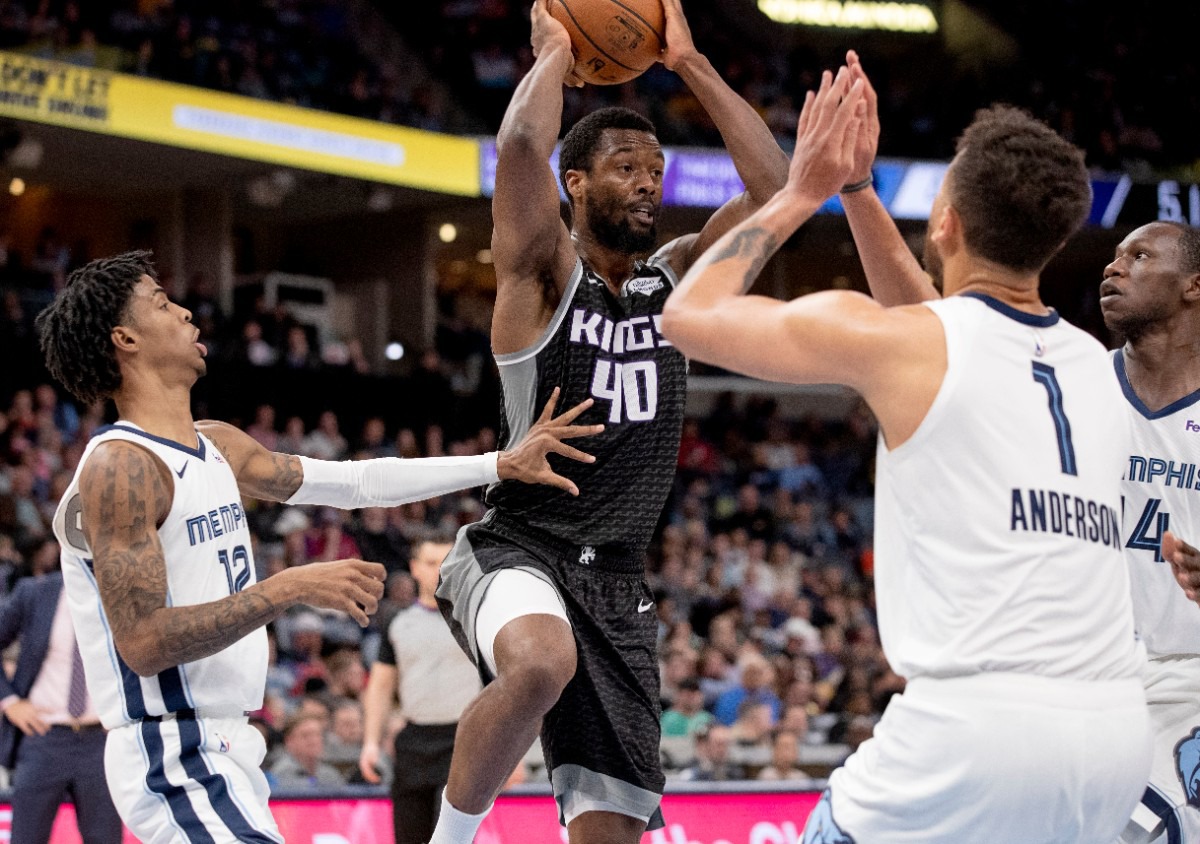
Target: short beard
(619, 235)
(1133, 327)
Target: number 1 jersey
(1161, 492)
(609, 348)
(207, 554)
(997, 524)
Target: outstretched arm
(760, 163)
(390, 481)
(890, 357)
(530, 244)
(894, 275)
(125, 497)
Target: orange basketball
(613, 40)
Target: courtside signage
(242, 127)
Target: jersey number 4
(1044, 375)
(1151, 517)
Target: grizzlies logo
(1187, 765)
(822, 828)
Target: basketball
(613, 40)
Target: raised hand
(680, 46)
(547, 34)
(352, 586)
(866, 144)
(826, 138)
(1185, 563)
(527, 462)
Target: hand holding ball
(613, 40)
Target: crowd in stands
(771, 665)
(1124, 88)
(303, 52)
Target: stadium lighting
(16, 187)
(484, 256)
(448, 233)
(393, 351)
(852, 14)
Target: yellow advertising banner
(193, 118)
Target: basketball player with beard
(547, 593)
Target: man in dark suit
(50, 736)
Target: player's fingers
(573, 453)
(847, 111)
(1168, 546)
(569, 416)
(553, 479)
(352, 609)
(39, 726)
(548, 410)
(569, 431)
(372, 570)
(805, 113)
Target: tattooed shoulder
(122, 479)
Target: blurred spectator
(326, 441)
(379, 541)
(785, 750)
(343, 741)
(262, 429)
(687, 715)
(753, 687)
(299, 767)
(712, 758)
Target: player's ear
(1191, 288)
(574, 182)
(945, 226)
(124, 339)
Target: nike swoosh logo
(180, 472)
(645, 605)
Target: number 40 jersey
(207, 554)
(611, 349)
(1161, 492)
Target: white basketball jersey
(206, 548)
(997, 524)
(1161, 492)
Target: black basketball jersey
(611, 349)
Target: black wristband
(857, 186)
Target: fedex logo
(1192, 426)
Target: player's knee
(540, 676)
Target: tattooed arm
(127, 494)
(895, 358)
(262, 474)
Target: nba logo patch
(1187, 765)
(222, 743)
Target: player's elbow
(140, 655)
(683, 326)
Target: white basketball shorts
(1168, 812)
(1001, 758)
(191, 780)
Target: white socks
(455, 827)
